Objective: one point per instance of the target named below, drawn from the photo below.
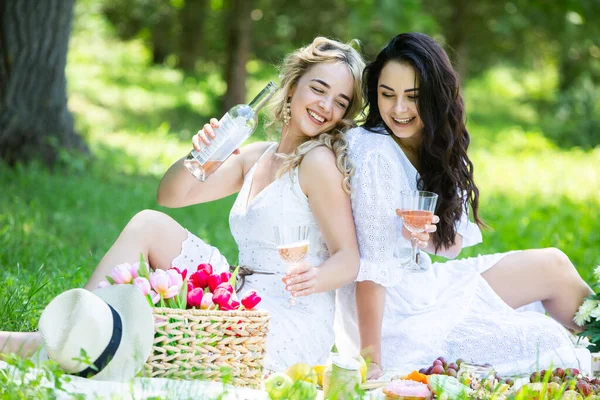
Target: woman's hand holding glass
(416, 210)
(423, 238)
(301, 279)
(292, 247)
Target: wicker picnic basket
(201, 344)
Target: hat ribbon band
(110, 350)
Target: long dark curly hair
(445, 167)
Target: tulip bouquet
(209, 291)
(174, 289)
(195, 312)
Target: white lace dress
(300, 333)
(450, 310)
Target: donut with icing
(406, 390)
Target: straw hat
(113, 325)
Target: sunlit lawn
(55, 226)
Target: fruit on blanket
(439, 384)
(538, 390)
(278, 385)
(363, 367)
(302, 372)
(406, 390)
(571, 395)
(302, 390)
(319, 370)
(417, 377)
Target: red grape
(437, 370)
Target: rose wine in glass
(417, 207)
(292, 246)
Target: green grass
(56, 225)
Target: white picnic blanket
(143, 388)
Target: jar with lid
(341, 378)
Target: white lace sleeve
(376, 186)
(470, 232)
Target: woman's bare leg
(25, 344)
(545, 275)
(152, 233)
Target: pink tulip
(102, 284)
(166, 284)
(135, 269)
(221, 297)
(142, 284)
(183, 272)
(175, 278)
(190, 286)
(206, 268)
(233, 305)
(207, 301)
(122, 274)
(227, 286)
(216, 279)
(194, 298)
(250, 300)
(200, 279)
(154, 296)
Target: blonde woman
(293, 181)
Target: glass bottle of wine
(234, 128)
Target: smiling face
(320, 98)
(397, 96)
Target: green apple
(302, 390)
(278, 385)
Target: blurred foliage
(560, 39)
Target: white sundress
(299, 333)
(450, 310)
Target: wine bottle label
(226, 127)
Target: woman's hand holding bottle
(205, 136)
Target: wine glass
(292, 246)
(416, 210)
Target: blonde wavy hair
(294, 66)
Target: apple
(278, 385)
(303, 372)
(302, 390)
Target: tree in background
(34, 119)
(238, 51)
(192, 17)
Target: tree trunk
(191, 18)
(34, 119)
(457, 36)
(161, 37)
(238, 50)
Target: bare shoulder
(318, 159)
(318, 172)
